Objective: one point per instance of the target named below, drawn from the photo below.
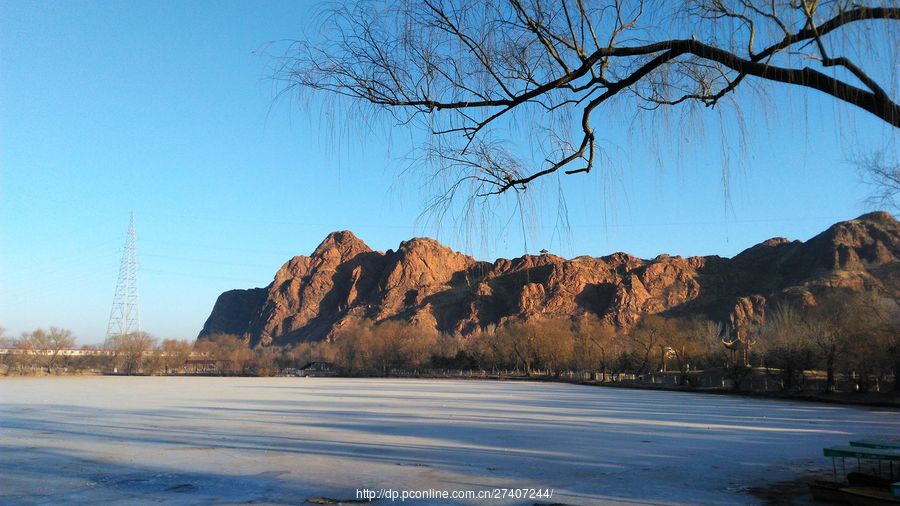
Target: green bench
(861, 452)
(877, 443)
(873, 449)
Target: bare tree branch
(470, 65)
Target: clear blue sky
(167, 109)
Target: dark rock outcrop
(233, 311)
(426, 282)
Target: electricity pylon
(125, 316)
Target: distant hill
(428, 283)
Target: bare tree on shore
(130, 350)
(230, 352)
(51, 342)
(595, 345)
(175, 353)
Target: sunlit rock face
(427, 283)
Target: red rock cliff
(426, 282)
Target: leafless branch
(471, 65)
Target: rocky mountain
(428, 283)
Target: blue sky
(167, 109)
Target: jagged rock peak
(768, 247)
(775, 241)
(420, 243)
(882, 217)
(343, 241)
(869, 227)
(423, 261)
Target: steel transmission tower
(125, 317)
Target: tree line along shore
(848, 344)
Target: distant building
(64, 352)
(318, 369)
(201, 365)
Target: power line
(207, 261)
(198, 276)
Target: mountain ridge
(428, 283)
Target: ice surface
(283, 440)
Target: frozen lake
(284, 440)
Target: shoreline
(889, 400)
(872, 399)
